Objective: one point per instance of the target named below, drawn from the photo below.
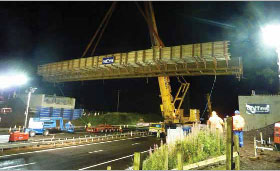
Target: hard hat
(237, 112)
(214, 113)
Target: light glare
(271, 35)
(11, 80)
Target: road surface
(95, 156)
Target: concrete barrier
(4, 138)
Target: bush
(197, 146)
(117, 118)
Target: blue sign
(108, 60)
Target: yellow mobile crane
(170, 107)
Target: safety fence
(71, 140)
(82, 127)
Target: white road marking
(53, 149)
(111, 161)
(95, 151)
(135, 144)
(9, 167)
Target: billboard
(257, 108)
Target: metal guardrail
(4, 129)
(74, 140)
(123, 126)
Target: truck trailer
(103, 128)
(44, 125)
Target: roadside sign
(257, 108)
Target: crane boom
(170, 113)
(167, 107)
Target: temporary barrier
(277, 133)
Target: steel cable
(209, 95)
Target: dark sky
(34, 33)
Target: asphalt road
(96, 156)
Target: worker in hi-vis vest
(215, 122)
(89, 125)
(158, 133)
(238, 125)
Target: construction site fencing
(80, 127)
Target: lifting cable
(57, 85)
(103, 21)
(150, 18)
(102, 31)
(209, 95)
(60, 90)
(149, 23)
(183, 78)
(178, 78)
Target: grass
(197, 146)
(117, 118)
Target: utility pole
(118, 101)
(29, 91)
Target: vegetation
(197, 146)
(116, 118)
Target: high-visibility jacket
(216, 122)
(89, 125)
(238, 123)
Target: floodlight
(20, 79)
(271, 35)
(11, 80)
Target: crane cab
(155, 127)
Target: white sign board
(174, 135)
(257, 108)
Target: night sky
(34, 33)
